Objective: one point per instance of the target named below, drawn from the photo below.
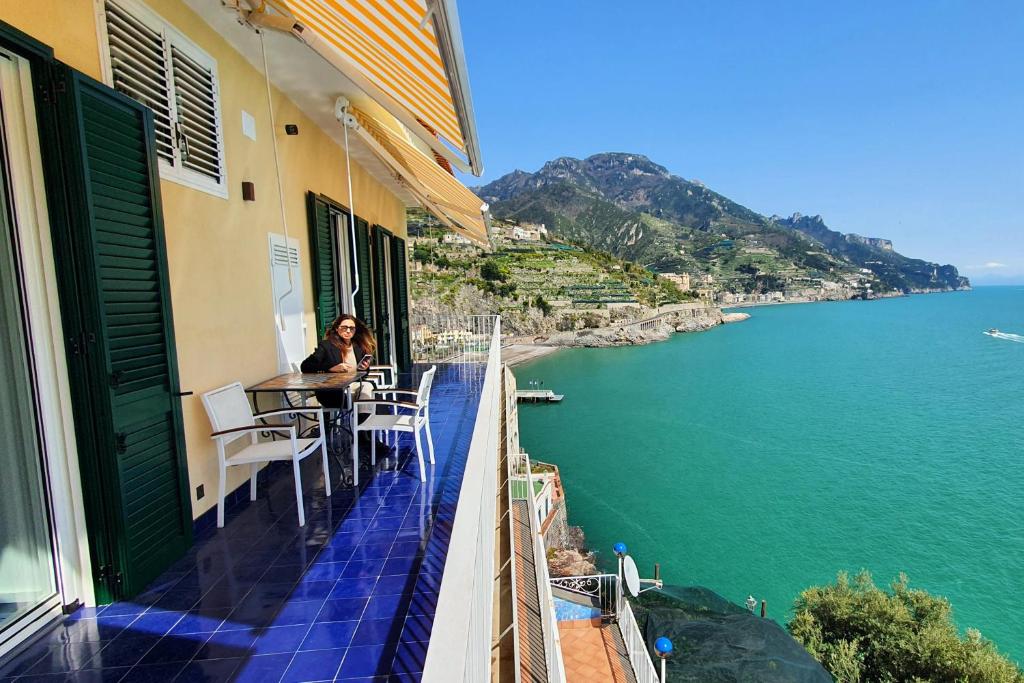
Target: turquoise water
(763, 457)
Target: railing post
(620, 552)
(664, 648)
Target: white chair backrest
(228, 408)
(423, 394)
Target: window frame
(175, 172)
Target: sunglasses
(350, 328)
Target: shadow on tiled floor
(351, 596)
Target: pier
(537, 396)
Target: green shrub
(861, 633)
(491, 271)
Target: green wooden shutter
(129, 387)
(324, 250)
(364, 297)
(400, 306)
(381, 245)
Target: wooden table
(305, 382)
(308, 381)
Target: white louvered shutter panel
(195, 95)
(139, 66)
(288, 297)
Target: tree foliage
(863, 634)
(491, 271)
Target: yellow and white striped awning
(406, 55)
(436, 189)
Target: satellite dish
(631, 576)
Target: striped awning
(436, 189)
(406, 55)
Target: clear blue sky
(898, 119)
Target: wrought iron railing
(460, 640)
(597, 589)
(602, 591)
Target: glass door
(28, 580)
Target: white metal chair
(383, 377)
(232, 418)
(409, 416)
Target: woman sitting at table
(347, 341)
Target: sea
(763, 457)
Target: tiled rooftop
(351, 596)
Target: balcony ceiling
(309, 82)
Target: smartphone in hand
(364, 362)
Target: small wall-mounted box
(248, 191)
(248, 125)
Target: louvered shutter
(140, 486)
(323, 248)
(195, 96)
(400, 305)
(381, 305)
(364, 297)
(154, 64)
(287, 300)
(139, 66)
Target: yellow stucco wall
(217, 248)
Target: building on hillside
(529, 233)
(682, 280)
(456, 239)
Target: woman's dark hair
(363, 337)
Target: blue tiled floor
(349, 597)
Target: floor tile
(366, 660)
(173, 649)
(208, 671)
(124, 650)
(315, 665)
(378, 631)
(280, 639)
(108, 675)
(330, 635)
(263, 668)
(201, 621)
(353, 588)
(226, 645)
(153, 673)
(346, 609)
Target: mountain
(892, 269)
(636, 209)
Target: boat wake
(1019, 338)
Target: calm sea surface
(763, 457)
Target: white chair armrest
(253, 428)
(288, 411)
(382, 402)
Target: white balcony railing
(451, 338)
(636, 645)
(460, 640)
(549, 622)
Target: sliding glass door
(28, 581)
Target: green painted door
(400, 305)
(381, 304)
(363, 298)
(323, 242)
(121, 345)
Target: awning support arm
(346, 120)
